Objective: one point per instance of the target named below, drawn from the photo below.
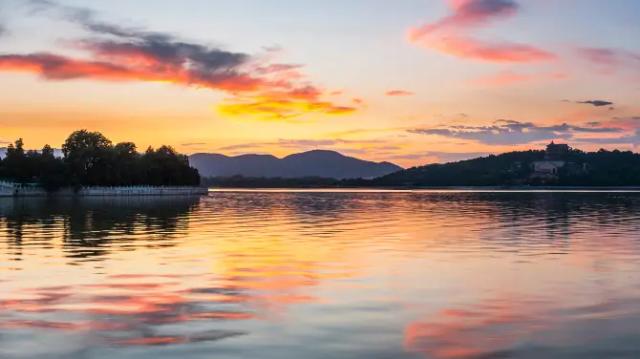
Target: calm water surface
(322, 275)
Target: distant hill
(317, 163)
(511, 168)
(558, 165)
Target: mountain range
(316, 163)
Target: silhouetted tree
(166, 166)
(89, 157)
(127, 169)
(53, 173)
(15, 163)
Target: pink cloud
(509, 78)
(609, 60)
(399, 93)
(450, 35)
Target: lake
(322, 274)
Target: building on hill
(556, 151)
(549, 168)
(555, 161)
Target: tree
(52, 173)
(165, 166)
(127, 164)
(89, 157)
(15, 163)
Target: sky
(408, 81)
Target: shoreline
(506, 189)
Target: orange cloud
(279, 108)
(55, 67)
(279, 105)
(450, 35)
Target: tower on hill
(556, 151)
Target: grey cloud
(596, 103)
(508, 132)
(610, 58)
(486, 8)
(87, 19)
(162, 47)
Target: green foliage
(90, 159)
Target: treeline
(604, 168)
(601, 168)
(90, 159)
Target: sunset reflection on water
(322, 274)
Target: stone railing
(6, 184)
(141, 191)
(9, 189)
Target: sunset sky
(408, 81)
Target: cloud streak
(507, 132)
(452, 34)
(510, 78)
(596, 103)
(297, 144)
(396, 93)
(118, 53)
(610, 60)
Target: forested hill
(602, 168)
(506, 168)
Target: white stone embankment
(8, 189)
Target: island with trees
(91, 164)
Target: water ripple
(295, 274)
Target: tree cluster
(90, 159)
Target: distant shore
(434, 188)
